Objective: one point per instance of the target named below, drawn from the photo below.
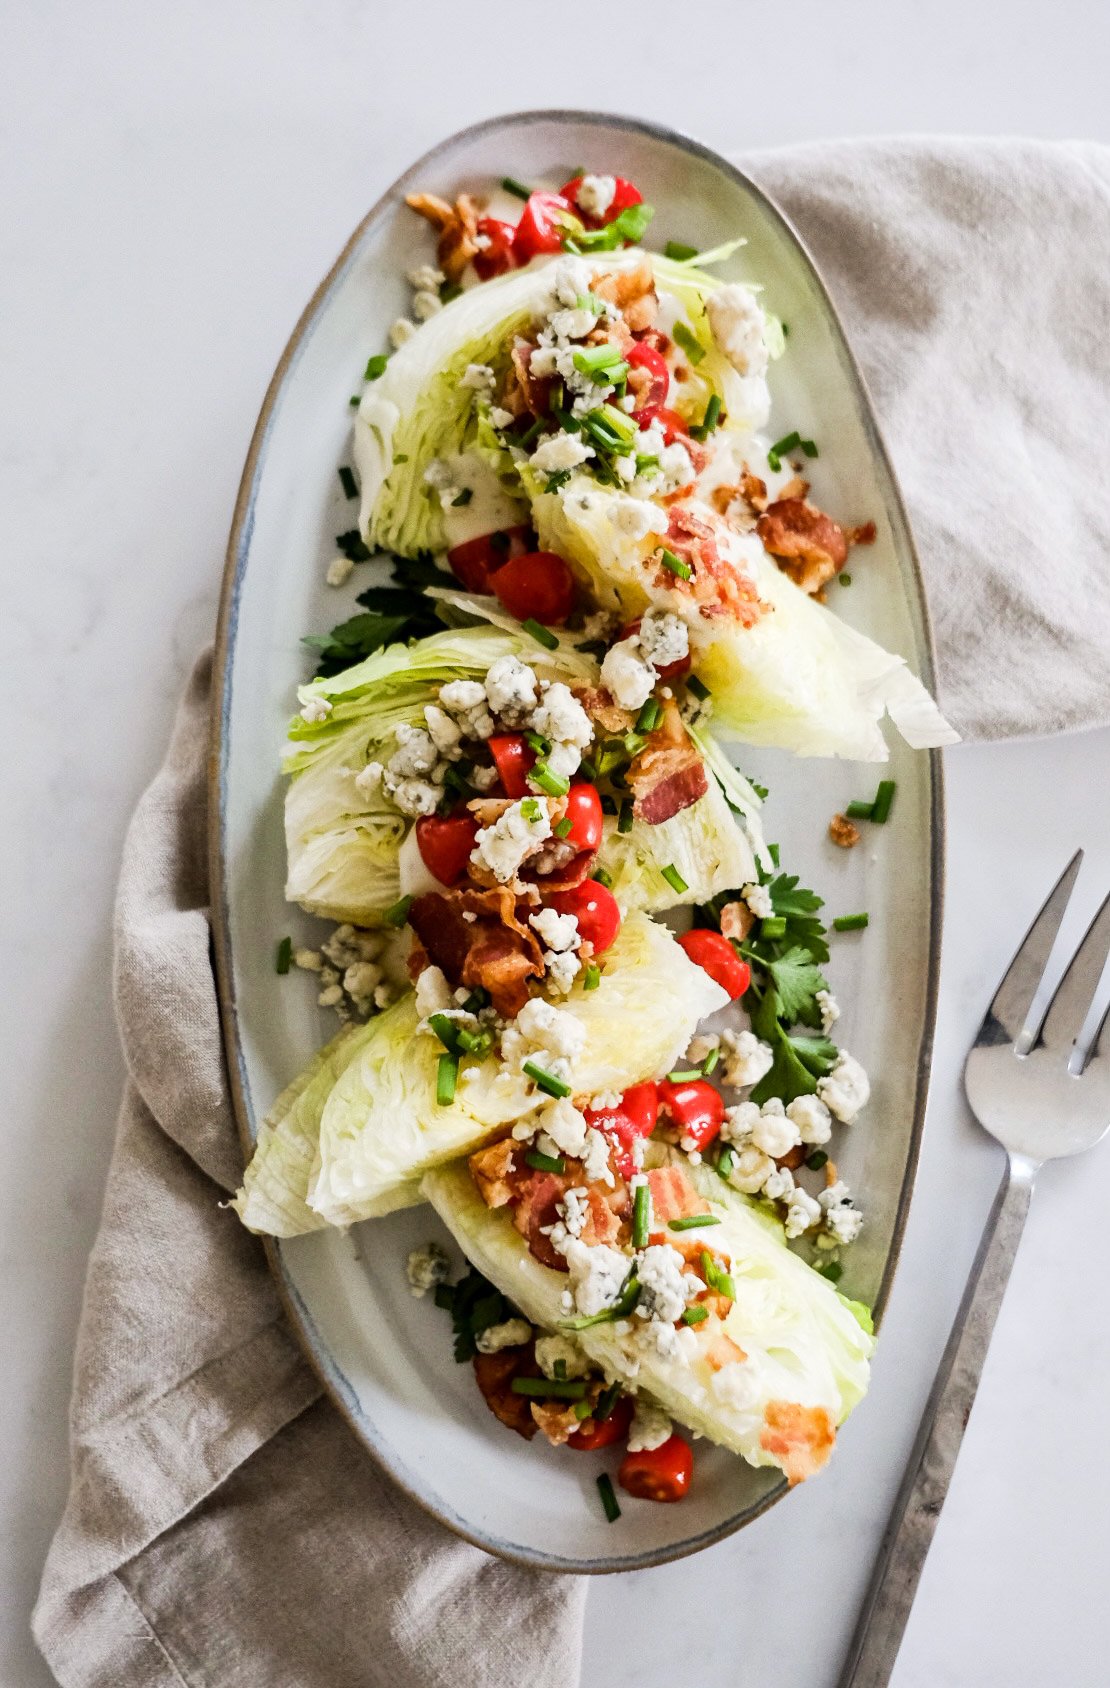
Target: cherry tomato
(499, 255)
(594, 908)
(641, 1106)
(695, 1107)
(669, 670)
(474, 562)
(658, 1473)
(537, 586)
(540, 228)
(674, 428)
(716, 956)
(634, 1116)
(654, 397)
(513, 758)
(603, 1432)
(445, 843)
(625, 195)
(585, 816)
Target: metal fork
(1034, 1089)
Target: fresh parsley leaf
(798, 907)
(797, 981)
(353, 640)
(630, 224)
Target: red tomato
(474, 562)
(674, 428)
(641, 1105)
(658, 1473)
(696, 1108)
(540, 228)
(670, 670)
(585, 816)
(604, 1431)
(594, 908)
(653, 398)
(499, 255)
(536, 587)
(626, 194)
(445, 843)
(716, 956)
(513, 758)
(634, 1116)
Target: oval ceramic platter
(384, 1356)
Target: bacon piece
(535, 1210)
(844, 832)
(633, 292)
(722, 1352)
(668, 774)
(799, 1438)
(718, 585)
(495, 1373)
(673, 1196)
(556, 1419)
(737, 921)
(535, 389)
(458, 229)
(604, 711)
(806, 543)
(602, 1224)
(491, 1170)
(495, 950)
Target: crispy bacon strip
(557, 1420)
(633, 291)
(673, 1196)
(718, 586)
(495, 950)
(603, 711)
(458, 229)
(799, 1438)
(668, 774)
(495, 1373)
(806, 543)
(722, 1352)
(491, 1169)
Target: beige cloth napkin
(223, 1525)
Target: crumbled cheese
(596, 194)
(444, 730)
(477, 377)
(426, 278)
(745, 1059)
(565, 1126)
(736, 1386)
(512, 690)
(500, 417)
(737, 323)
(502, 849)
(308, 959)
(562, 760)
(426, 1267)
(844, 1223)
(558, 931)
(650, 1427)
(561, 969)
(758, 899)
(558, 1028)
(750, 1170)
(663, 1285)
(846, 1090)
(830, 1010)
(812, 1118)
(466, 701)
(595, 1160)
(400, 331)
(314, 709)
(339, 571)
(558, 1352)
(561, 718)
(349, 944)
(739, 1123)
(775, 1133)
(803, 1213)
(360, 981)
(511, 1333)
(442, 482)
(569, 278)
(560, 451)
(701, 1047)
(596, 1275)
(637, 517)
(605, 1100)
(626, 675)
(425, 304)
(779, 1184)
(664, 639)
(574, 322)
(433, 993)
(574, 1209)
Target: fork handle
(913, 1518)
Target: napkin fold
(223, 1526)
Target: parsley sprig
(389, 613)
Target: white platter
(385, 1358)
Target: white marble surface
(172, 184)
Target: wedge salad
(592, 570)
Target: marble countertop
(173, 184)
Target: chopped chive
(695, 1315)
(445, 1297)
(347, 482)
(850, 922)
(477, 1000)
(542, 635)
(545, 1163)
(692, 1222)
(724, 1161)
(698, 687)
(606, 1401)
(399, 913)
(592, 977)
(446, 1030)
(884, 797)
(529, 434)
(675, 564)
(537, 742)
(564, 827)
(582, 1410)
(602, 876)
(711, 1061)
(679, 251)
(809, 447)
(834, 1271)
(844, 579)
(858, 811)
(545, 1080)
(561, 1370)
(648, 718)
(283, 958)
(641, 1216)
(355, 400)
(816, 1160)
(592, 359)
(476, 1043)
(352, 545)
(619, 1309)
(450, 290)
(517, 189)
(725, 1285)
(674, 878)
(786, 329)
(464, 497)
(685, 337)
(554, 784)
(684, 1076)
(609, 805)
(626, 816)
(709, 421)
(447, 1075)
(774, 927)
(608, 1498)
(376, 366)
(572, 1390)
(530, 809)
(400, 457)
(633, 743)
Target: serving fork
(1036, 1089)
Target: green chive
(450, 290)
(786, 329)
(478, 999)
(517, 189)
(447, 1075)
(686, 338)
(574, 1390)
(475, 1043)
(626, 816)
(809, 448)
(675, 564)
(844, 579)
(602, 876)
(724, 1161)
(679, 251)
(376, 366)
(695, 1315)
(711, 1061)
(606, 1401)
(561, 1370)
(684, 1077)
(355, 400)
(709, 420)
(725, 1285)
(582, 1410)
(884, 797)
(633, 743)
(545, 1080)
(542, 635)
(446, 1030)
(674, 878)
(858, 811)
(834, 1271)
(399, 913)
(564, 827)
(554, 784)
(620, 1308)
(774, 927)
(400, 457)
(529, 434)
(464, 497)
(545, 1163)
(608, 1498)
(594, 359)
(641, 1216)
(693, 1222)
(850, 922)
(781, 447)
(648, 718)
(537, 742)
(698, 687)
(592, 977)
(347, 482)
(530, 809)
(816, 1160)
(284, 956)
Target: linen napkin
(223, 1525)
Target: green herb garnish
(851, 922)
(517, 189)
(376, 366)
(609, 1502)
(685, 337)
(284, 956)
(693, 1222)
(675, 564)
(674, 878)
(543, 1080)
(447, 1076)
(544, 1163)
(679, 251)
(542, 635)
(347, 482)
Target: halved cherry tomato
(716, 956)
(540, 228)
(512, 758)
(662, 1473)
(474, 562)
(603, 1432)
(654, 397)
(669, 670)
(641, 1105)
(537, 586)
(674, 428)
(499, 255)
(625, 195)
(594, 908)
(634, 1116)
(445, 843)
(585, 816)
(695, 1107)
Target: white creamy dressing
(490, 510)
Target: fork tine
(1071, 1002)
(1100, 1043)
(1005, 1018)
